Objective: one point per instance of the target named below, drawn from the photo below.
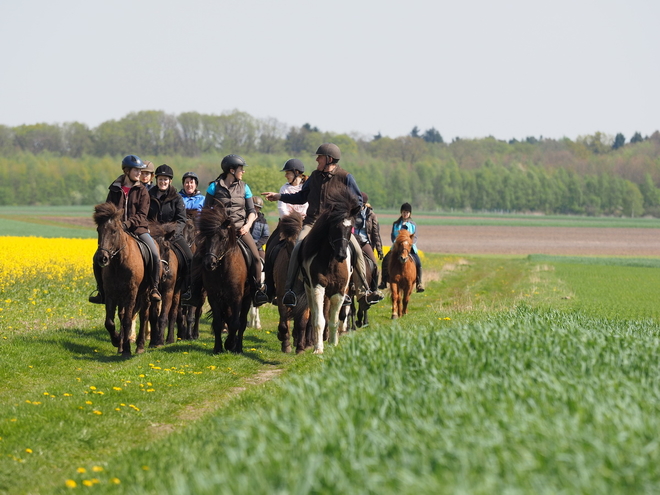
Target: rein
(112, 254)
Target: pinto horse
(126, 283)
(289, 228)
(402, 273)
(326, 262)
(224, 276)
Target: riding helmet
(329, 149)
(365, 198)
(294, 165)
(406, 207)
(149, 166)
(132, 161)
(232, 161)
(165, 170)
(258, 202)
(191, 175)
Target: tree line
(595, 175)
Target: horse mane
(404, 235)
(339, 202)
(216, 221)
(104, 212)
(290, 226)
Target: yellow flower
(88, 402)
(97, 469)
(87, 482)
(29, 451)
(116, 388)
(116, 481)
(70, 484)
(92, 387)
(81, 470)
(97, 412)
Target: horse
(164, 314)
(224, 273)
(326, 262)
(126, 282)
(289, 228)
(358, 312)
(188, 317)
(402, 273)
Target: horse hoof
(139, 350)
(155, 346)
(286, 347)
(394, 317)
(318, 351)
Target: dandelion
(97, 412)
(81, 470)
(145, 468)
(88, 402)
(116, 388)
(70, 484)
(97, 469)
(115, 481)
(29, 451)
(87, 482)
(92, 387)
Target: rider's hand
(380, 255)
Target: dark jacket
(313, 192)
(167, 206)
(236, 198)
(135, 205)
(373, 229)
(260, 231)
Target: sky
(468, 68)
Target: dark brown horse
(125, 280)
(188, 316)
(163, 315)
(224, 276)
(289, 228)
(326, 262)
(402, 273)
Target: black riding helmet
(294, 165)
(406, 207)
(165, 170)
(132, 161)
(331, 150)
(190, 175)
(232, 161)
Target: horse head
(403, 245)
(217, 235)
(110, 232)
(338, 219)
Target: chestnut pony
(224, 276)
(326, 261)
(125, 281)
(403, 273)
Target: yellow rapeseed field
(23, 259)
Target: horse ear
(355, 211)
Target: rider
(294, 173)
(129, 194)
(236, 196)
(147, 174)
(167, 206)
(192, 198)
(404, 222)
(367, 232)
(313, 191)
(259, 230)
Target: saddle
(147, 258)
(247, 254)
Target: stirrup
(373, 297)
(260, 298)
(96, 298)
(420, 288)
(348, 300)
(383, 285)
(154, 295)
(289, 299)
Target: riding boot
(385, 275)
(154, 295)
(271, 256)
(99, 297)
(418, 264)
(195, 295)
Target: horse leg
(315, 296)
(172, 314)
(242, 323)
(218, 325)
(126, 323)
(333, 316)
(196, 315)
(110, 309)
(144, 321)
(283, 330)
(394, 292)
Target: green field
(509, 375)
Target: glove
(380, 255)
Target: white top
(286, 208)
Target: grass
(510, 374)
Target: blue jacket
(194, 202)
